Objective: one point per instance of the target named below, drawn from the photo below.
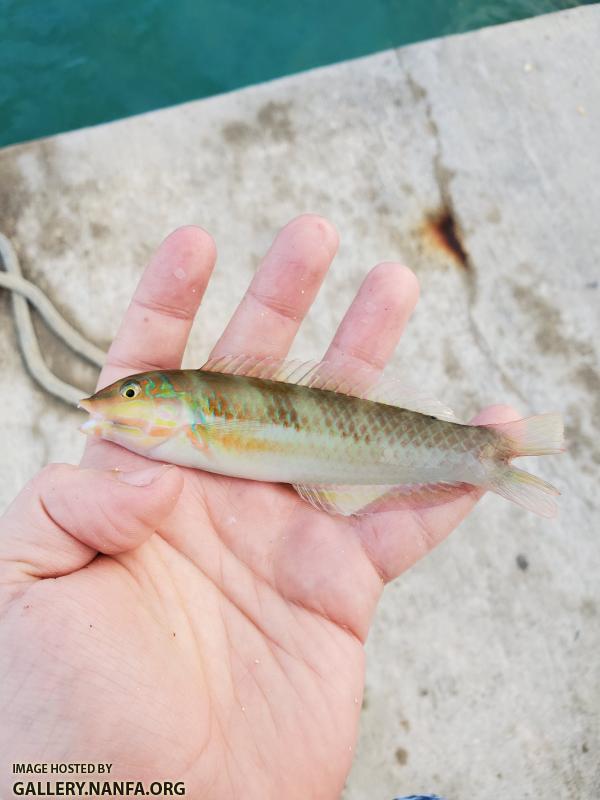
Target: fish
(347, 444)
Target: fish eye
(130, 389)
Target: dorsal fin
(267, 367)
(361, 382)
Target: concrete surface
(476, 159)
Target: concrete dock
(475, 159)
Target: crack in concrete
(443, 178)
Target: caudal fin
(525, 490)
(533, 436)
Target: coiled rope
(24, 293)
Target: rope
(24, 292)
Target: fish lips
(96, 424)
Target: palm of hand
(225, 641)
(226, 650)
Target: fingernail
(144, 477)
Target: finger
(395, 542)
(373, 325)
(156, 326)
(282, 290)
(66, 515)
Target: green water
(69, 63)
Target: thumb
(66, 515)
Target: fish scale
(344, 449)
(406, 437)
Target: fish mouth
(95, 424)
(101, 426)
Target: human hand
(189, 626)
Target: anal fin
(348, 500)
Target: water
(69, 63)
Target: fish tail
(525, 490)
(533, 436)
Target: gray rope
(23, 292)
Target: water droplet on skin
(370, 306)
(257, 660)
(244, 709)
(179, 273)
(356, 701)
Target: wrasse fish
(347, 446)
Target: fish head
(139, 412)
